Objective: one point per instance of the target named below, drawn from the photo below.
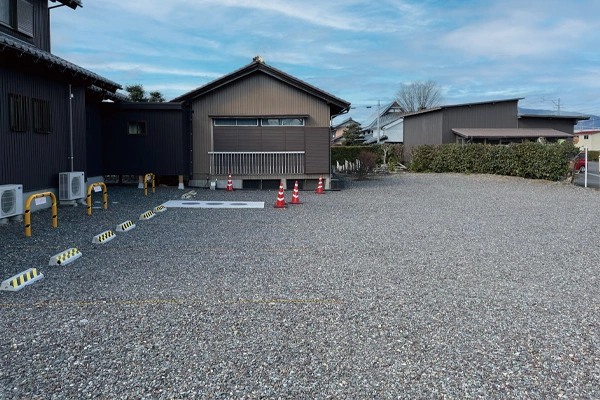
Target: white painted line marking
(214, 204)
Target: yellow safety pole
(28, 211)
(151, 175)
(104, 196)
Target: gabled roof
(385, 116)
(462, 105)
(509, 133)
(392, 124)
(35, 55)
(345, 122)
(259, 66)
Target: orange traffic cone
(320, 187)
(295, 197)
(229, 184)
(280, 197)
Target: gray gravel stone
(403, 286)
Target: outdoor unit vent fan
(71, 185)
(11, 200)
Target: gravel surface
(403, 286)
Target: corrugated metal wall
(422, 129)
(35, 159)
(560, 124)
(489, 115)
(164, 150)
(435, 127)
(93, 130)
(254, 95)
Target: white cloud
(522, 31)
(149, 69)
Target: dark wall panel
(35, 159)
(162, 151)
(226, 141)
(317, 151)
(563, 125)
(93, 129)
(273, 139)
(489, 115)
(294, 139)
(249, 139)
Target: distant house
(261, 125)
(384, 125)
(494, 122)
(45, 102)
(391, 132)
(337, 131)
(589, 139)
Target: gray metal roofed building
(496, 121)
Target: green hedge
(528, 160)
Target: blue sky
(360, 51)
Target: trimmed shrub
(422, 158)
(527, 160)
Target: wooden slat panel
(317, 151)
(294, 139)
(249, 139)
(226, 138)
(273, 139)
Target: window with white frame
(236, 121)
(282, 122)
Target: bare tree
(418, 96)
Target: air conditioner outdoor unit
(11, 200)
(71, 185)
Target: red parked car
(579, 162)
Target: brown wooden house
(261, 125)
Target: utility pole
(378, 114)
(557, 105)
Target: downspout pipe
(331, 117)
(71, 126)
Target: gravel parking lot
(403, 286)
